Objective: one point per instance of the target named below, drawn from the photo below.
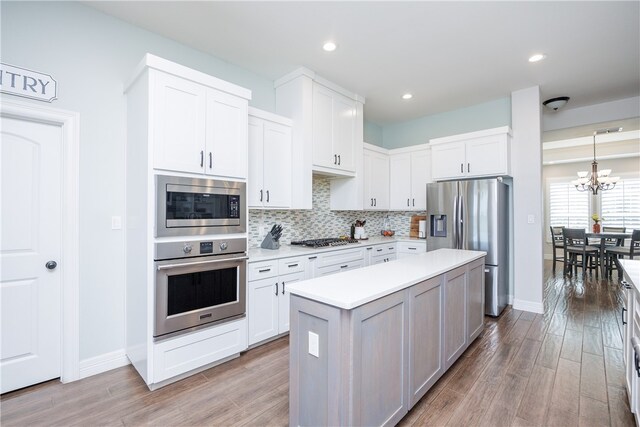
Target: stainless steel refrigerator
(474, 214)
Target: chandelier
(596, 180)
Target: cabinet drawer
(384, 249)
(339, 268)
(339, 257)
(291, 265)
(378, 259)
(262, 270)
(412, 247)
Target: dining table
(603, 236)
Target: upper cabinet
(376, 178)
(474, 154)
(197, 123)
(327, 134)
(269, 183)
(409, 173)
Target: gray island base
(366, 359)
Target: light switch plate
(314, 344)
(116, 222)
(531, 219)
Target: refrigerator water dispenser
(438, 226)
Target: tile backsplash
(320, 221)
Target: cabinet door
(376, 181)
(447, 160)
(420, 176)
(283, 299)
(263, 309)
(475, 299)
(255, 185)
(178, 117)
(487, 156)
(323, 154)
(455, 304)
(226, 135)
(425, 333)
(344, 125)
(277, 165)
(400, 182)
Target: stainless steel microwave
(196, 206)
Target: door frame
(69, 304)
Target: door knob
(51, 265)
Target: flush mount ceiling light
(597, 180)
(537, 57)
(329, 46)
(556, 103)
(407, 96)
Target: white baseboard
(103, 363)
(534, 307)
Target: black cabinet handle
(637, 360)
(276, 288)
(414, 202)
(283, 287)
(260, 195)
(372, 201)
(264, 270)
(468, 168)
(375, 202)
(339, 162)
(461, 168)
(210, 160)
(344, 266)
(312, 257)
(335, 159)
(407, 202)
(267, 196)
(379, 250)
(622, 315)
(292, 265)
(412, 249)
(201, 158)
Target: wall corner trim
(103, 363)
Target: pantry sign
(27, 83)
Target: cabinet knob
(51, 265)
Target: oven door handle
(189, 264)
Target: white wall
(597, 113)
(526, 165)
(92, 55)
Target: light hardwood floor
(562, 368)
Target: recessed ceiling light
(329, 46)
(407, 96)
(537, 57)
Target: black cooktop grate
(319, 243)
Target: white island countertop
(632, 268)
(354, 288)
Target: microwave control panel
(234, 206)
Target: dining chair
(557, 240)
(614, 242)
(575, 246)
(614, 253)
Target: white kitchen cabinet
(338, 261)
(268, 299)
(383, 253)
(406, 249)
(455, 315)
(269, 183)
(409, 173)
(196, 128)
(327, 135)
(376, 179)
(475, 299)
(474, 154)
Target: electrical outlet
(116, 222)
(314, 344)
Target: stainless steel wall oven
(195, 206)
(199, 282)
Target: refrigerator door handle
(455, 222)
(461, 232)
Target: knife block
(269, 242)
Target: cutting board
(415, 219)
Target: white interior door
(30, 238)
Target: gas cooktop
(320, 243)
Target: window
(620, 207)
(567, 206)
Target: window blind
(567, 206)
(620, 207)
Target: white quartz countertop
(632, 268)
(287, 250)
(354, 288)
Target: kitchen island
(367, 344)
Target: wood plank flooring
(561, 368)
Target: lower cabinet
(335, 262)
(455, 312)
(406, 249)
(475, 299)
(267, 296)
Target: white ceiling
(448, 54)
